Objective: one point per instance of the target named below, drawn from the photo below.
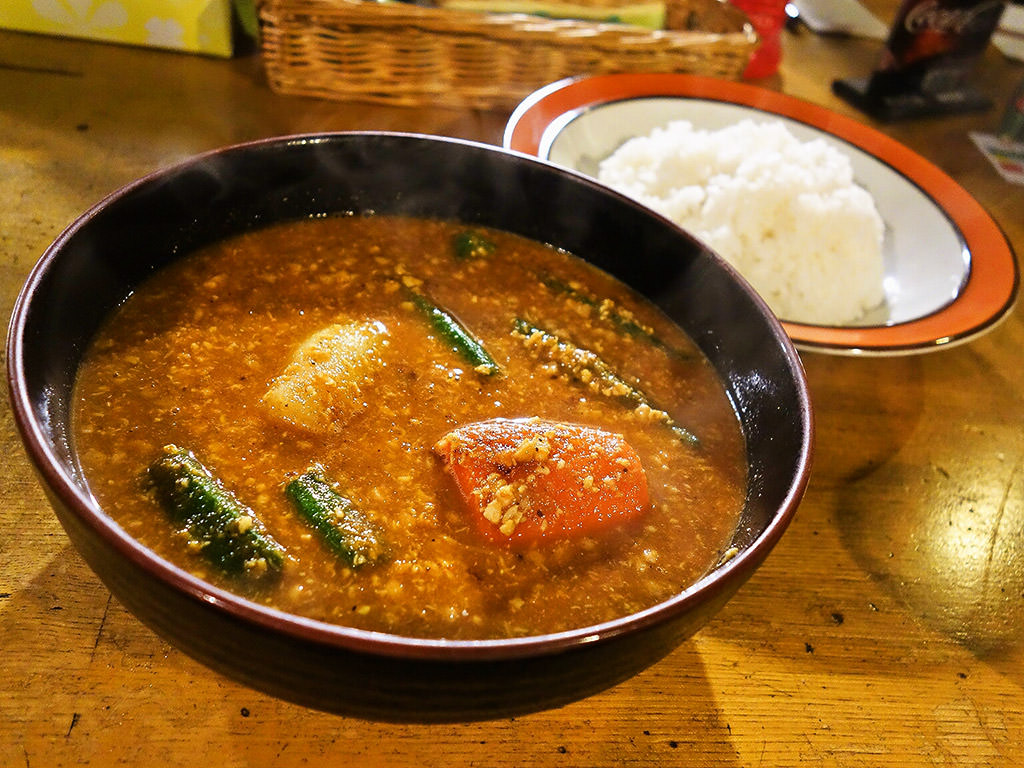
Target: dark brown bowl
(98, 261)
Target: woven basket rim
(402, 54)
(369, 13)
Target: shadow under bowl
(104, 255)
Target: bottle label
(932, 16)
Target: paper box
(198, 26)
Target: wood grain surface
(887, 628)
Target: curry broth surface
(190, 356)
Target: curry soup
(418, 428)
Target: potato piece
(322, 386)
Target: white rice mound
(787, 214)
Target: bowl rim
(59, 483)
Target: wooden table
(887, 628)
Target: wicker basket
(396, 53)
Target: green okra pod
(448, 327)
(589, 369)
(226, 532)
(340, 524)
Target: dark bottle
(926, 64)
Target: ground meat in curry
(306, 344)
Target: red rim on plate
(991, 286)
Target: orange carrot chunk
(525, 480)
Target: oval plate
(950, 274)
